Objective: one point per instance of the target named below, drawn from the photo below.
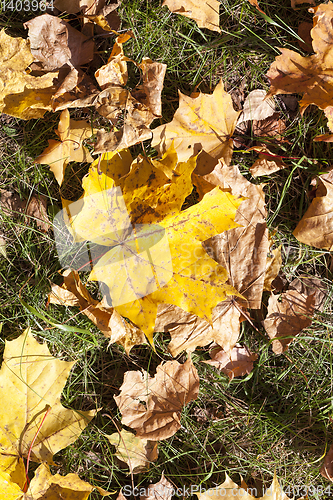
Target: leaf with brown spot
(152, 405)
(287, 318)
(203, 123)
(31, 382)
(205, 13)
(57, 155)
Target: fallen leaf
(310, 285)
(133, 451)
(231, 491)
(267, 163)
(304, 32)
(57, 155)
(188, 331)
(35, 208)
(203, 123)
(256, 5)
(286, 318)
(115, 71)
(152, 405)
(273, 266)
(310, 75)
(315, 227)
(54, 43)
(205, 14)
(236, 363)
(22, 95)
(43, 485)
(163, 490)
(256, 107)
(31, 416)
(88, 7)
(326, 469)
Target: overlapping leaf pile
(195, 273)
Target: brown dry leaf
(21, 94)
(309, 285)
(163, 490)
(326, 469)
(315, 227)
(205, 13)
(87, 7)
(135, 452)
(205, 123)
(152, 405)
(31, 382)
(287, 318)
(242, 250)
(140, 107)
(115, 71)
(236, 363)
(304, 32)
(35, 208)
(54, 43)
(311, 75)
(57, 155)
(267, 163)
(231, 491)
(188, 331)
(256, 107)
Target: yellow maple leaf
(204, 13)
(310, 75)
(206, 123)
(22, 95)
(43, 486)
(135, 452)
(32, 419)
(71, 133)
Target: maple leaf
(57, 155)
(32, 419)
(43, 486)
(106, 318)
(22, 95)
(311, 75)
(163, 490)
(206, 123)
(152, 405)
(287, 318)
(205, 14)
(54, 43)
(135, 452)
(231, 491)
(267, 163)
(35, 208)
(315, 227)
(238, 362)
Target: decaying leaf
(286, 318)
(43, 486)
(267, 163)
(35, 208)
(71, 133)
(21, 94)
(163, 490)
(188, 331)
(135, 452)
(206, 123)
(205, 13)
(54, 43)
(311, 75)
(231, 491)
(31, 381)
(152, 405)
(315, 227)
(310, 285)
(236, 363)
(273, 265)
